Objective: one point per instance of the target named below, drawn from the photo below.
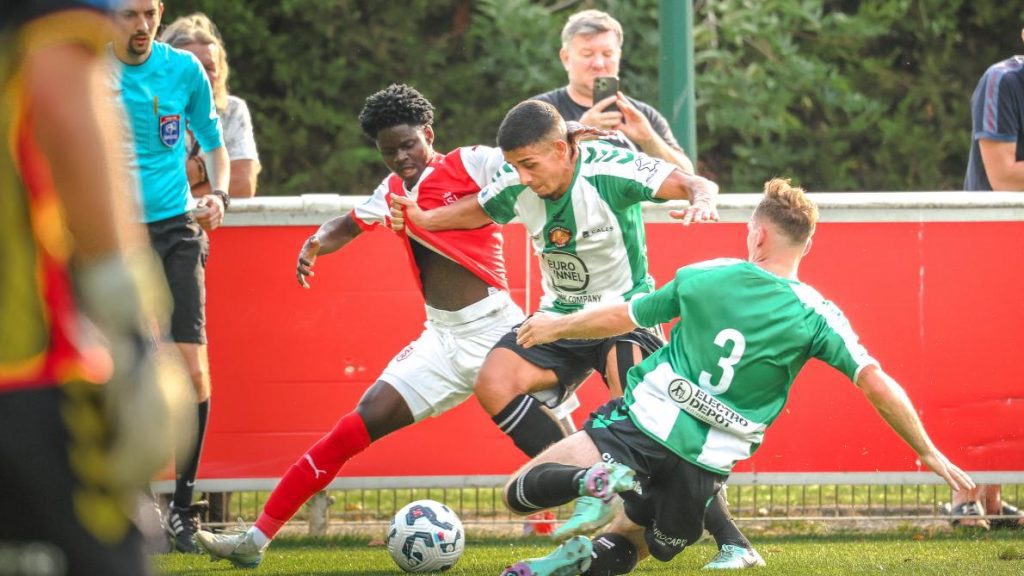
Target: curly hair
(788, 208)
(393, 106)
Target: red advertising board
(939, 304)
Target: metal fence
(876, 502)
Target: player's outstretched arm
(892, 403)
(600, 322)
(463, 214)
(701, 192)
(331, 236)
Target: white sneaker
(732, 557)
(239, 549)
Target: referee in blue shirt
(165, 91)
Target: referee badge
(170, 129)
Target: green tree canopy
(838, 94)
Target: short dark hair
(393, 106)
(789, 208)
(528, 123)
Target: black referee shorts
(183, 248)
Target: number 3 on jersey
(726, 363)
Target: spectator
(197, 34)
(82, 427)
(996, 162)
(592, 47)
(164, 90)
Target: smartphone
(605, 86)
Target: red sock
(313, 472)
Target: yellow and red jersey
(42, 338)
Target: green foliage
(838, 94)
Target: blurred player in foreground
(696, 407)
(83, 416)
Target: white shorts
(436, 372)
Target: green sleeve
(835, 343)
(498, 198)
(662, 305)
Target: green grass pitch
(901, 552)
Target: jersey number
(726, 363)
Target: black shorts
(57, 502)
(574, 360)
(183, 248)
(672, 494)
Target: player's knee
(613, 554)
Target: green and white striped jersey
(725, 375)
(590, 242)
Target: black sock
(530, 424)
(184, 484)
(720, 525)
(544, 486)
(613, 554)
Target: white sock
(259, 538)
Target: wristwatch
(224, 197)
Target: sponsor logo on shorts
(569, 274)
(666, 540)
(404, 353)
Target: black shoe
(182, 525)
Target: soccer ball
(426, 536)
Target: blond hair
(589, 23)
(199, 29)
(789, 209)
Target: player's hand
(307, 257)
(598, 117)
(702, 208)
(405, 210)
(578, 132)
(956, 478)
(209, 211)
(147, 392)
(539, 328)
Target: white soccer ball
(426, 536)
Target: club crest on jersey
(170, 129)
(559, 236)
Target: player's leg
(994, 504)
(184, 248)
(968, 506)
(507, 383)
(391, 403)
(64, 513)
(566, 470)
(381, 410)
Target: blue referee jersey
(162, 96)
